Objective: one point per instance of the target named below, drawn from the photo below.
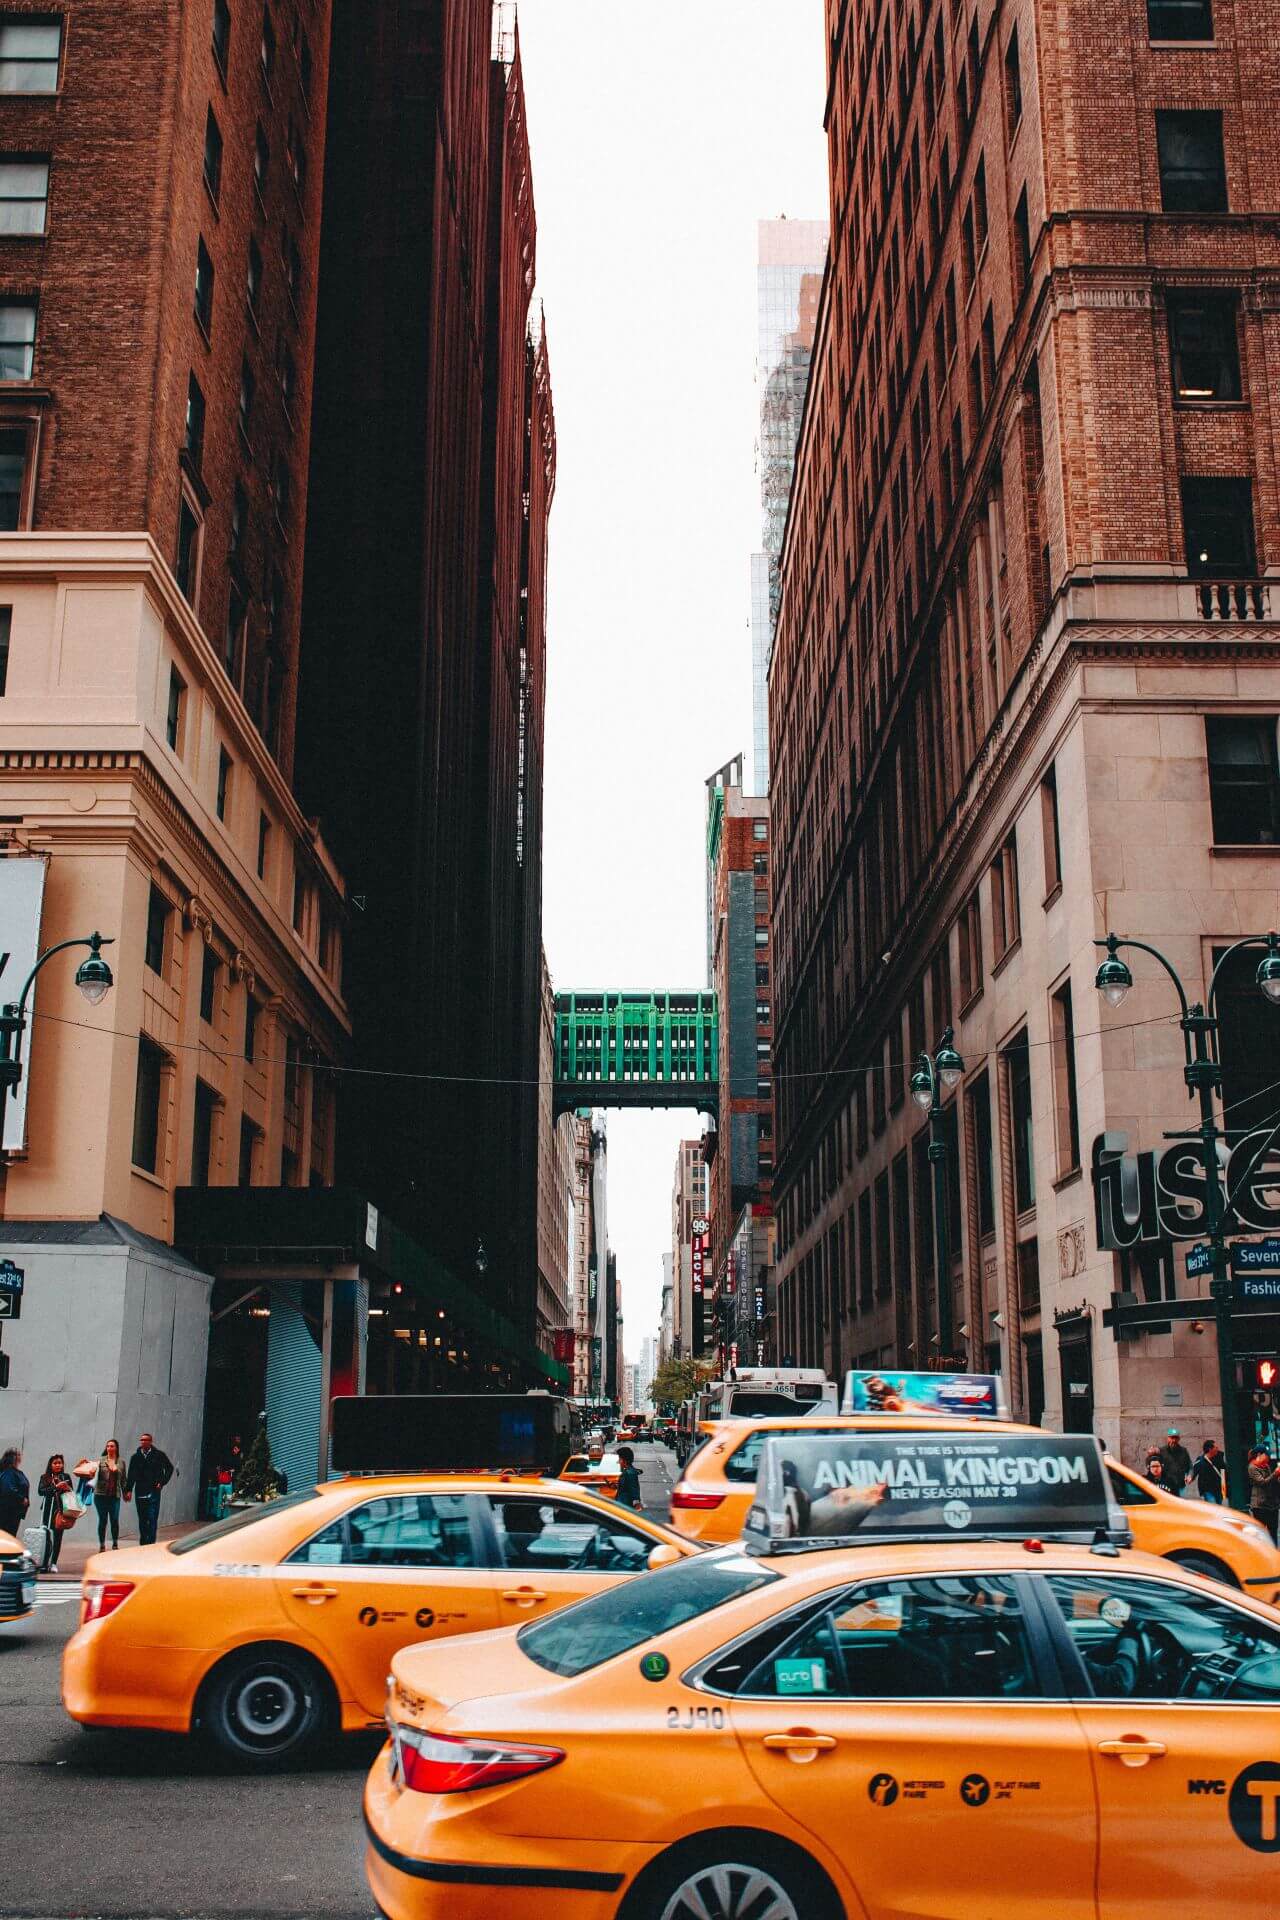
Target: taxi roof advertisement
(821, 1489)
(976, 1394)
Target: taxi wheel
(1207, 1564)
(265, 1705)
(733, 1875)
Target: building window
(204, 287)
(980, 218)
(759, 829)
(158, 911)
(233, 638)
(1049, 832)
(13, 478)
(24, 196)
(281, 488)
(1029, 1300)
(6, 631)
(1180, 19)
(212, 155)
(244, 407)
(762, 973)
(224, 782)
(1204, 346)
(1217, 519)
(208, 985)
(249, 1137)
(1006, 921)
(970, 930)
(193, 444)
(267, 48)
(30, 49)
(762, 936)
(297, 156)
(202, 1135)
(299, 899)
(17, 339)
(264, 841)
(174, 714)
(288, 371)
(764, 1089)
(763, 1015)
(1012, 86)
(221, 34)
(292, 1065)
(980, 1105)
(253, 278)
(1021, 244)
(1065, 1104)
(187, 558)
(148, 1088)
(1018, 1055)
(1244, 780)
(1193, 174)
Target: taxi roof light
(100, 1597)
(439, 1763)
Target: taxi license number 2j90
(695, 1719)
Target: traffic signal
(4, 1369)
(1267, 1374)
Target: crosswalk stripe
(56, 1593)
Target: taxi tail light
(98, 1598)
(438, 1763)
(702, 1502)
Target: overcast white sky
(660, 133)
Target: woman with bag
(108, 1485)
(54, 1487)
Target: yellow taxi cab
(932, 1682)
(602, 1475)
(710, 1501)
(267, 1627)
(17, 1579)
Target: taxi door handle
(523, 1596)
(1133, 1751)
(798, 1742)
(315, 1593)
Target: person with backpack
(1207, 1472)
(150, 1472)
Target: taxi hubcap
(266, 1706)
(730, 1892)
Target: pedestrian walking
(53, 1483)
(1176, 1461)
(628, 1494)
(1155, 1467)
(150, 1472)
(1207, 1472)
(15, 1491)
(1264, 1489)
(108, 1488)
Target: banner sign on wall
(1162, 1196)
(21, 899)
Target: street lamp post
(94, 979)
(1202, 1071)
(945, 1068)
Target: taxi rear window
(585, 1636)
(247, 1518)
(760, 1403)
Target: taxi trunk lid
(435, 1679)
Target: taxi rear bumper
(108, 1683)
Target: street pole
(1203, 1075)
(934, 1071)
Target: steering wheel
(1163, 1665)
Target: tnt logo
(1254, 1806)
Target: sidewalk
(81, 1543)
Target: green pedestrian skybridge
(637, 1050)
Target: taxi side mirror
(664, 1555)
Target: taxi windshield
(248, 1518)
(608, 1624)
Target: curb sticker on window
(800, 1676)
(1115, 1611)
(880, 1613)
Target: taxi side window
(1128, 1492)
(744, 1462)
(399, 1530)
(558, 1536)
(955, 1637)
(1152, 1640)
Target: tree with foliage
(257, 1478)
(676, 1380)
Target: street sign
(11, 1277)
(1256, 1256)
(1255, 1289)
(10, 1306)
(1199, 1260)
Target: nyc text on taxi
(266, 1628)
(935, 1685)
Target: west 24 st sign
(1142, 1197)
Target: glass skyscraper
(791, 259)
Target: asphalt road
(130, 1826)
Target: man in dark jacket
(1207, 1472)
(150, 1472)
(1176, 1462)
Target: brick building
(432, 477)
(160, 176)
(1025, 682)
(691, 1336)
(739, 1154)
